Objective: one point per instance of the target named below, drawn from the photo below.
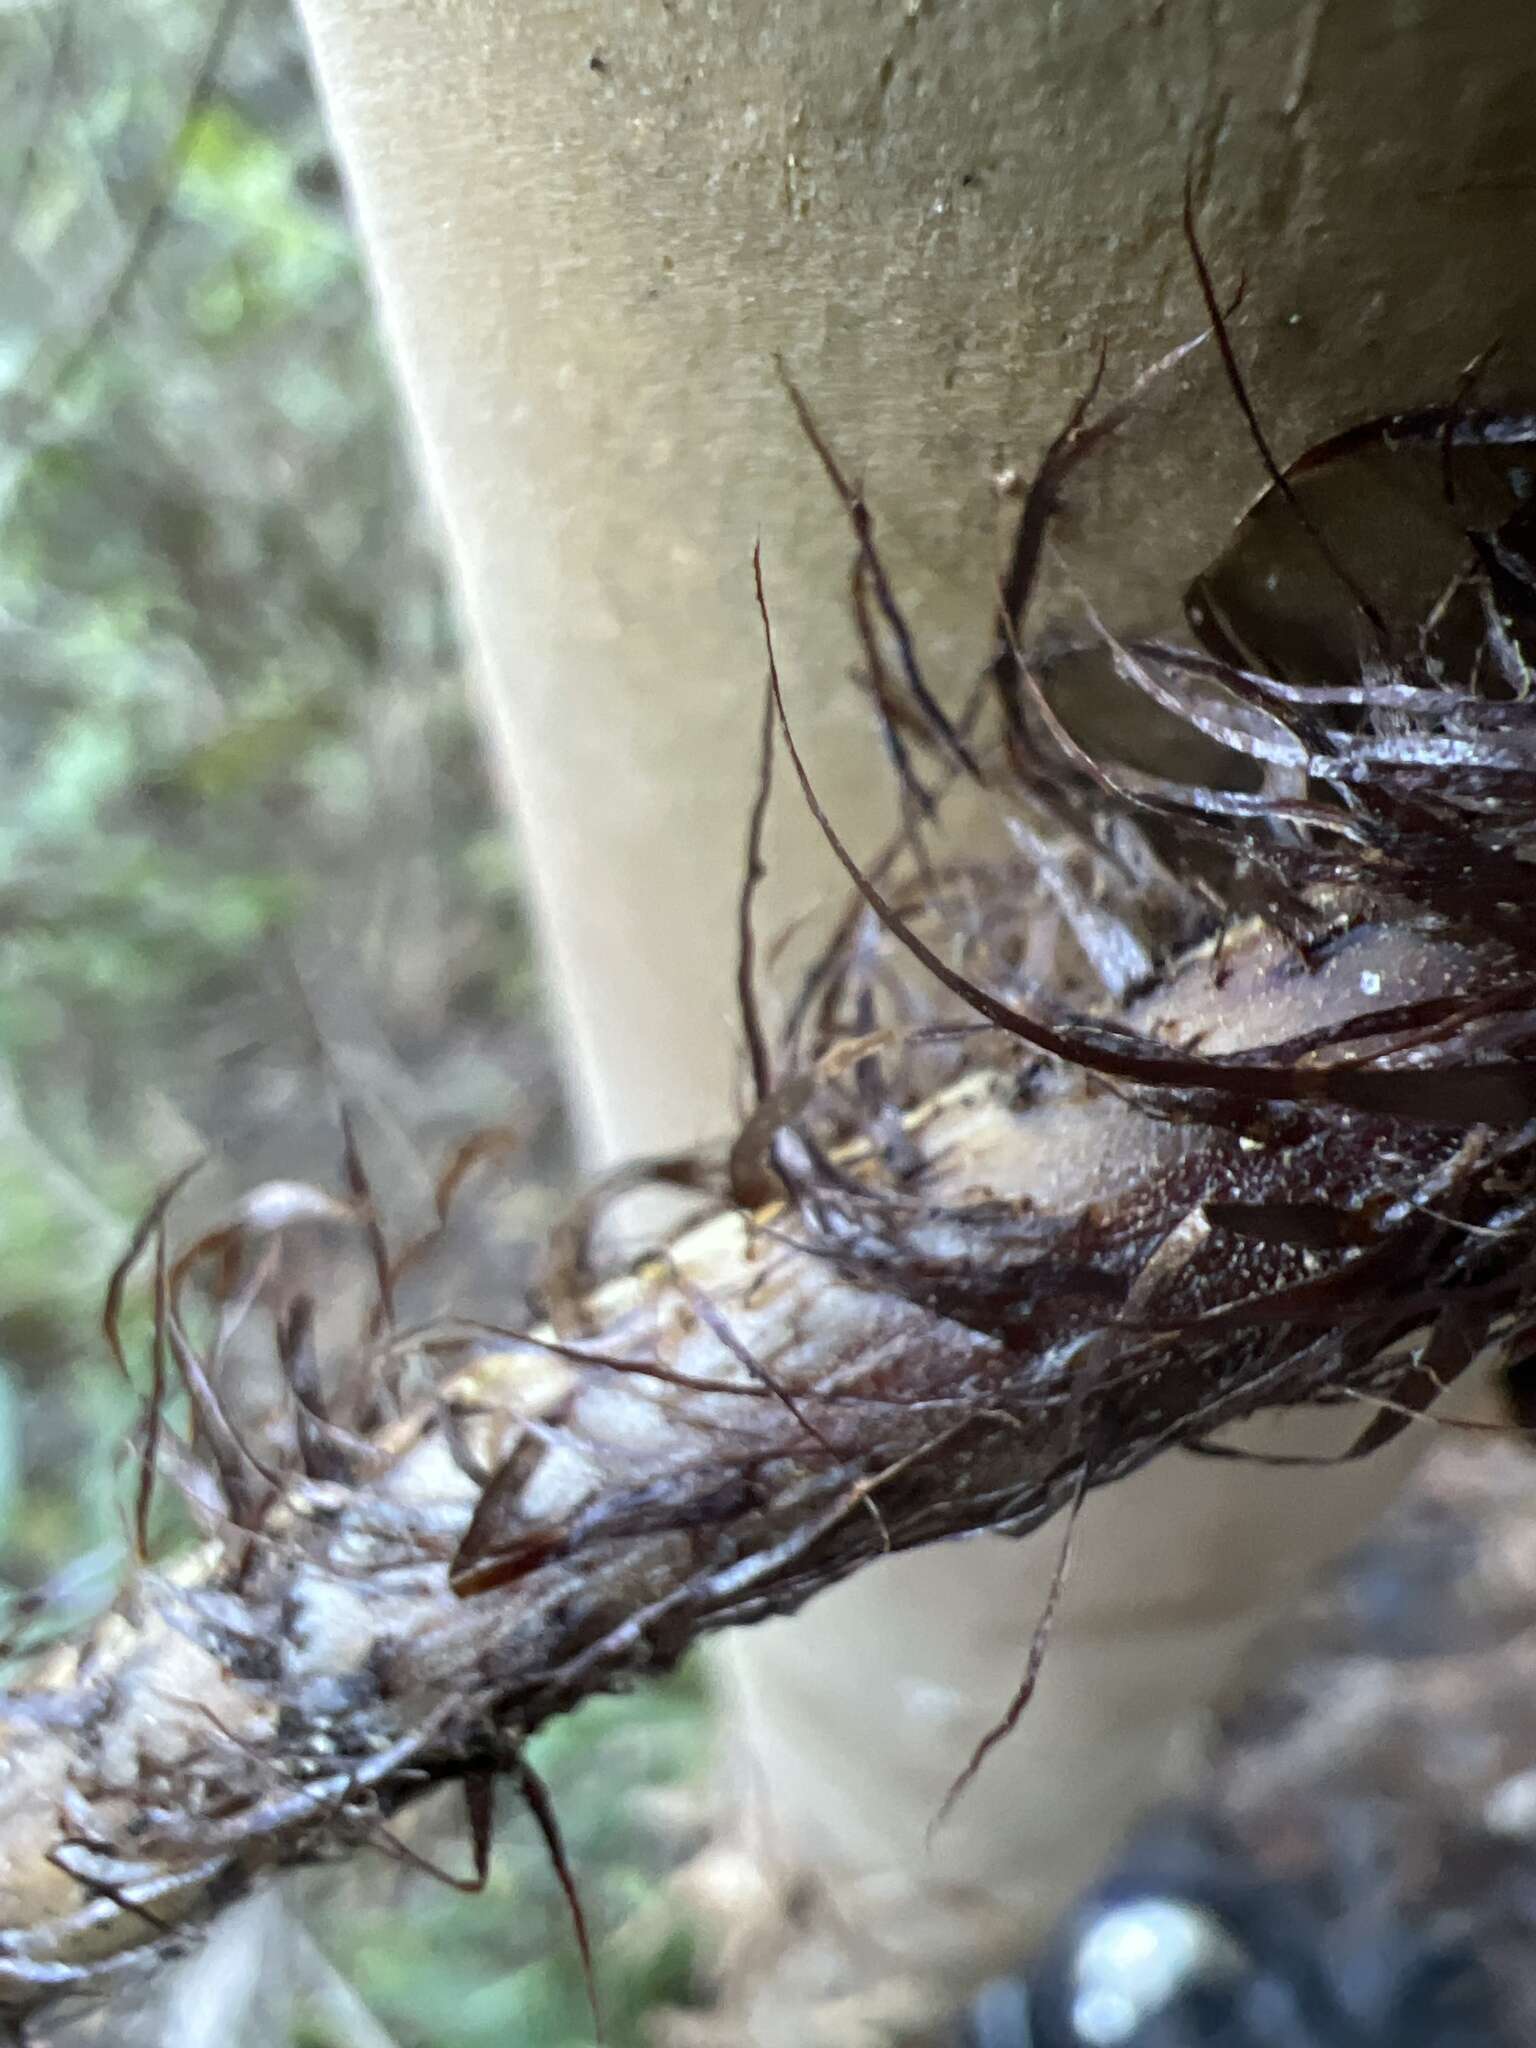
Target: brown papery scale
(1200, 1096)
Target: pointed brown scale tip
(947, 735)
(501, 1546)
(499, 1144)
(471, 1574)
(540, 1804)
(154, 1407)
(1237, 384)
(361, 1190)
(754, 872)
(117, 1282)
(1034, 1662)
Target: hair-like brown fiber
(1203, 1093)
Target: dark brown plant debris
(1202, 1096)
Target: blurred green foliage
(215, 583)
(235, 759)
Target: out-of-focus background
(249, 857)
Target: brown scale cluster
(1203, 1096)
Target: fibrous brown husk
(1199, 1099)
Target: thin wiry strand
(1194, 1101)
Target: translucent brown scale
(1192, 1098)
